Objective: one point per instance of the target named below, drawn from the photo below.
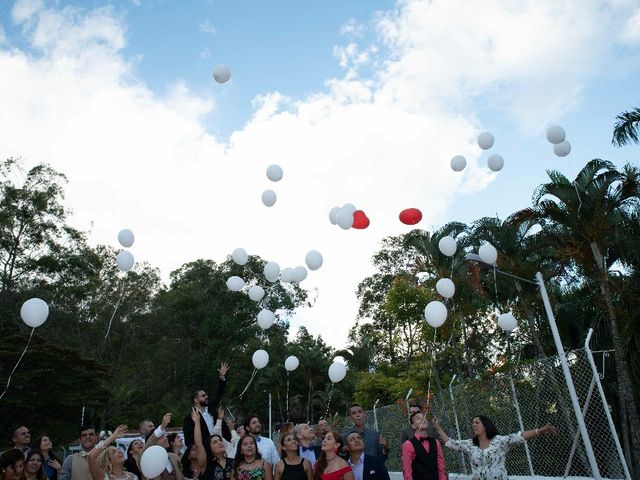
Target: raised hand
(548, 429)
(166, 420)
(220, 412)
(195, 416)
(224, 368)
(120, 431)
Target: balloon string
(433, 354)
(253, 375)
(326, 415)
(116, 309)
(495, 285)
(18, 363)
(287, 395)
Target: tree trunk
(628, 412)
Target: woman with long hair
(249, 464)
(292, 466)
(285, 430)
(106, 462)
(175, 443)
(34, 466)
(330, 466)
(487, 449)
(11, 464)
(219, 465)
(52, 463)
(133, 454)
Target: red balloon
(360, 220)
(410, 216)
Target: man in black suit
(207, 409)
(364, 467)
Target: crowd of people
(214, 448)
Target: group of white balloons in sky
(555, 134)
(124, 259)
(495, 162)
(274, 173)
(342, 216)
(435, 313)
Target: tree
(583, 218)
(627, 128)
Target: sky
(362, 102)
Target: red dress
(337, 475)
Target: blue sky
(359, 101)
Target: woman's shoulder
(342, 465)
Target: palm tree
(583, 219)
(627, 128)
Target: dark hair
(413, 415)
(490, 429)
(130, 464)
(37, 444)
(321, 464)
(283, 452)
(170, 438)
(354, 405)
(240, 457)
(194, 394)
(40, 475)
(247, 421)
(10, 458)
(15, 429)
(86, 427)
(415, 405)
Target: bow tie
(84, 454)
(306, 449)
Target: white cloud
(207, 27)
(631, 32)
(143, 161)
(352, 27)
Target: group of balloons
(557, 136)
(124, 259)
(275, 174)
(348, 216)
(260, 359)
(435, 313)
(486, 140)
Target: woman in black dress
(292, 466)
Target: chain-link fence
(526, 398)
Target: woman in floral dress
(487, 450)
(249, 464)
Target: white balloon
(126, 237)
(333, 214)
(256, 293)
(272, 271)
(313, 259)
(448, 246)
(344, 218)
(125, 261)
(495, 162)
(337, 371)
(260, 359)
(458, 163)
(291, 363)
(287, 275)
(153, 461)
(240, 256)
(235, 283)
(299, 274)
(266, 318)
(488, 253)
(435, 313)
(485, 140)
(350, 207)
(269, 198)
(34, 312)
(445, 287)
(274, 173)
(562, 149)
(221, 73)
(556, 134)
(507, 322)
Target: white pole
(406, 400)
(605, 405)
(375, 416)
(517, 405)
(595, 471)
(270, 433)
(455, 417)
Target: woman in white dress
(487, 449)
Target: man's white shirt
(267, 449)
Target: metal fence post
(612, 426)
(595, 471)
(517, 405)
(455, 417)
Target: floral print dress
(487, 463)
